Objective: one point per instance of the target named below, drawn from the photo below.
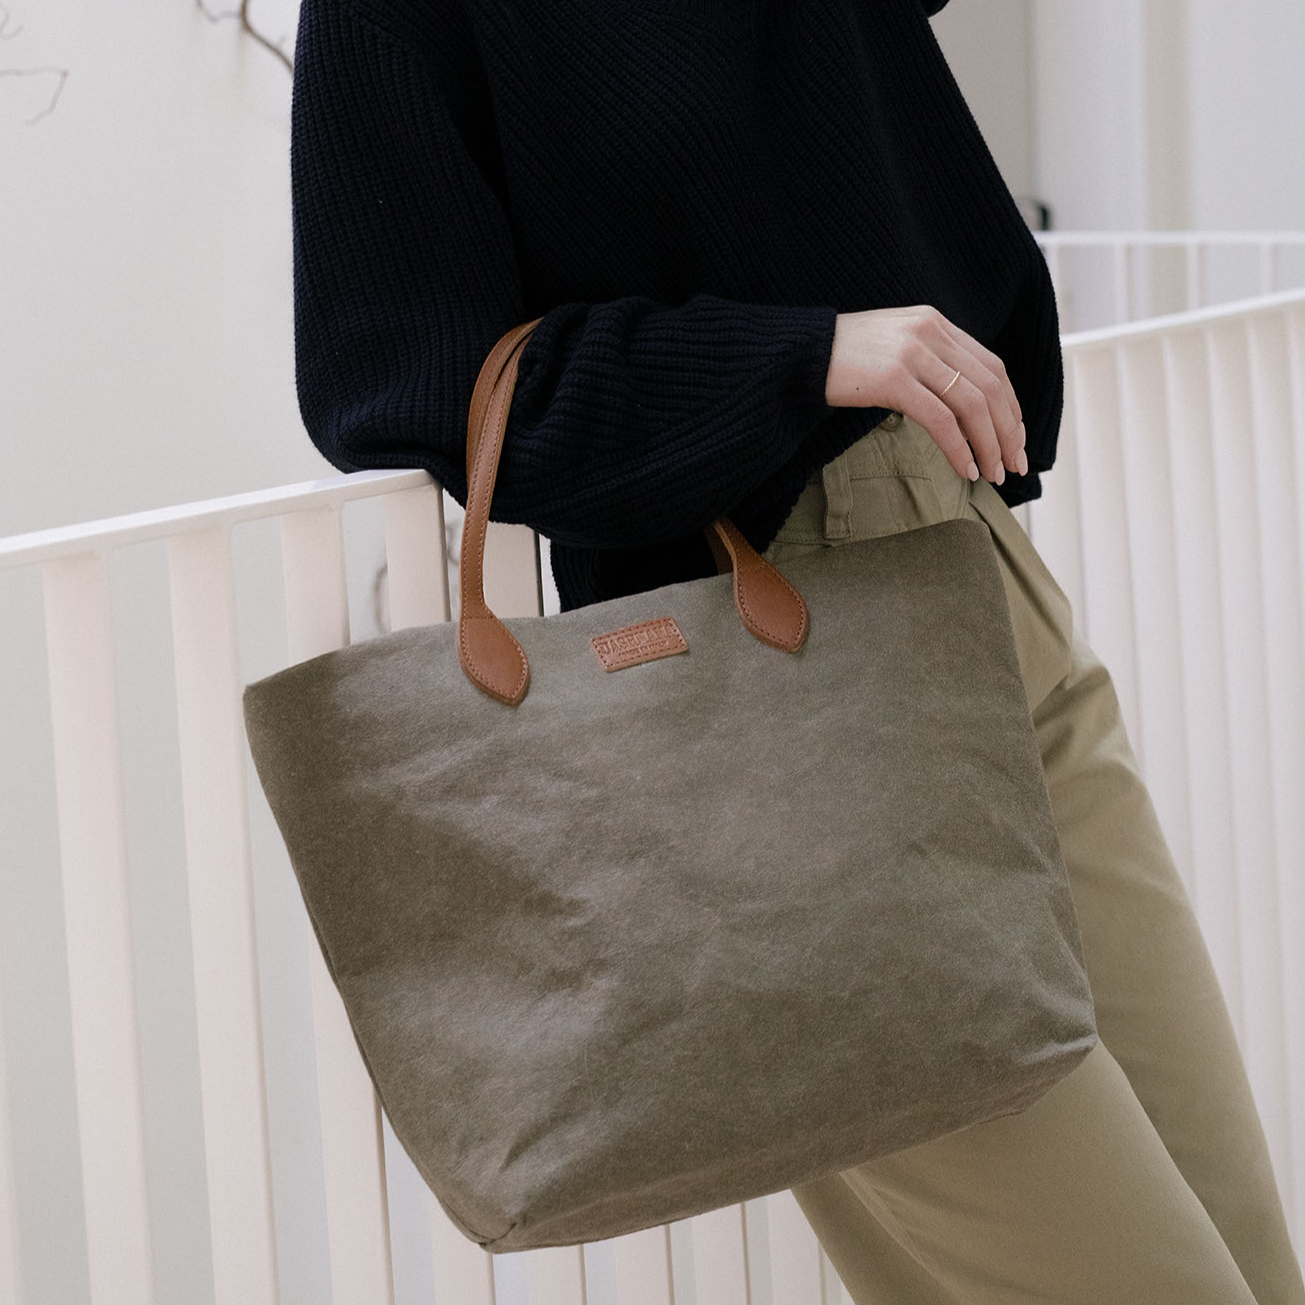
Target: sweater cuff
(813, 328)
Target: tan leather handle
(768, 605)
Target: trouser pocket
(888, 481)
(895, 478)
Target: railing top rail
(159, 523)
(1185, 237)
(1190, 319)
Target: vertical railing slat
(1107, 613)
(353, 1142)
(1211, 873)
(512, 586)
(415, 566)
(643, 1267)
(1121, 269)
(720, 1257)
(1237, 526)
(1147, 494)
(556, 1275)
(794, 1253)
(1194, 251)
(1268, 265)
(464, 1272)
(219, 876)
(1291, 779)
(97, 921)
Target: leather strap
(768, 605)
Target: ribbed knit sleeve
(634, 421)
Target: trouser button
(892, 421)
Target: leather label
(643, 642)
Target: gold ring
(951, 382)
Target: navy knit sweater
(688, 192)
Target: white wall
(145, 347)
(1169, 113)
(1247, 100)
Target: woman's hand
(903, 358)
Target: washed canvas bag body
(683, 898)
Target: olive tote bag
(679, 899)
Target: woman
(780, 278)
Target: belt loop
(838, 499)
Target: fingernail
(1000, 476)
(1023, 463)
(972, 471)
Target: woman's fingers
(936, 416)
(982, 398)
(991, 361)
(977, 400)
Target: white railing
(1103, 278)
(225, 1137)
(381, 1236)
(1175, 521)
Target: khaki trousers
(1143, 1177)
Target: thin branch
(62, 74)
(242, 14)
